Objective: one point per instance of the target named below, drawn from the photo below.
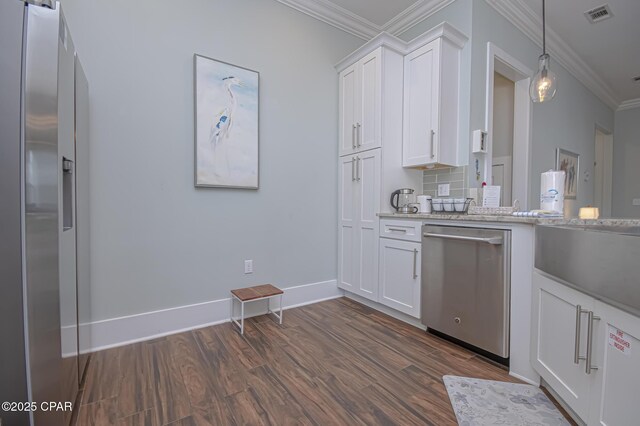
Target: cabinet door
(368, 106)
(347, 238)
(553, 341)
(348, 109)
(616, 391)
(400, 265)
(368, 168)
(421, 95)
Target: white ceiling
(604, 56)
(377, 11)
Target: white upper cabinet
(360, 107)
(421, 105)
(431, 103)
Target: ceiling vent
(599, 13)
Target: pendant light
(544, 83)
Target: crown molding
(412, 15)
(443, 30)
(527, 21)
(629, 104)
(339, 17)
(382, 39)
(336, 16)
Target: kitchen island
(560, 221)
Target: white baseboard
(386, 310)
(121, 331)
(525, 379)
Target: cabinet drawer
(407, 230)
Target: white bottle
(552, 191)
(425, 204)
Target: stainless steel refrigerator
(44, 216)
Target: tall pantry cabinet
(370, 157)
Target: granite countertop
(515, 219)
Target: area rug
(487, 402)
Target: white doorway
(502, 176)
(603, 172)
(513, 165)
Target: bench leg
(242, 318)
(280, 309)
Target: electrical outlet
(443, 190)
(248, 266)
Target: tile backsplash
(456, 177)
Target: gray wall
(568, 121)
(626, 173)
(157, 242)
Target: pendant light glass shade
(544, 84)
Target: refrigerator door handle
(68, 194)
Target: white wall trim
(527, 21)
(525, 379)
(444, 30)
(386, 310)
(414, 14)
(124, 330)
(339, 17)
(511, 68)
(336, 16)
(629, 104)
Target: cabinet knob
(457, 320)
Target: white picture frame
(569, 162)
(226, 130)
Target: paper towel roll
(552, 191)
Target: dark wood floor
(336, 362)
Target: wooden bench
(251, 294)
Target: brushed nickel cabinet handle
(359, 138)
(576, 346)
(353, 136)
(415, 262)
(358, 170)
(353, 169)
(590, 320)
(433, 154)
(404, 231)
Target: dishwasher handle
(492, 240)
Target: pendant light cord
(544, 37)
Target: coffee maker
(404, 201)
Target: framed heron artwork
(569, 162)
(226, 125)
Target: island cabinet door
(559, 314)
(400, 266)
(615, 397)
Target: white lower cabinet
(400, 265)
(574, 350)
(615, 394)
(359, 224)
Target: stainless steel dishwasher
(466, 286)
